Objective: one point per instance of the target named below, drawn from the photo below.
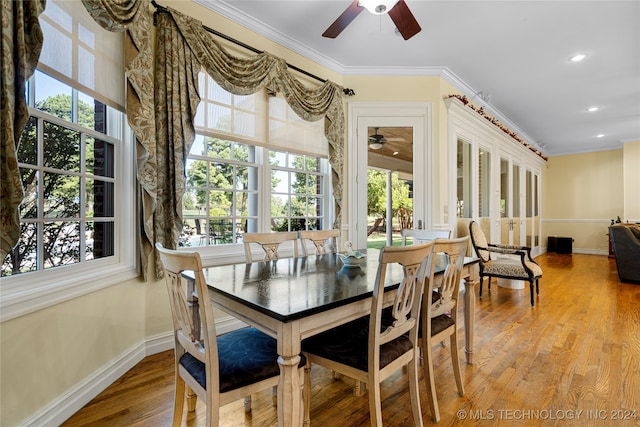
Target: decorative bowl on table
(351, 258)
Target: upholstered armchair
(625, 239)
(505, 265)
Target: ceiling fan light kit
(376, 141)
(378, 7)
(398, 11)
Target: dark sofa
(625, 239)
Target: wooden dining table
(294, 298)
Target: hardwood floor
(572, 360)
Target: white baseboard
(67, 404)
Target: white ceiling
(516, 51)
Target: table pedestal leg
(469, 318)
(289, 392)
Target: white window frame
(232, 253)
(25, 293)
(324, 172)
(258, 136)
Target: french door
(511, 198)
(365, 117)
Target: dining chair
(371, 348)
(440, 314)
(324, 241)
(422, 236)
(218, 369)
(270, 242)
(504, 265)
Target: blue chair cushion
(245, 356)
(348, 344)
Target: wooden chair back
(405, 312)
(191, 330)
(270, 243)
(451, 253)
(214, 374)
(325, 241)
(440, 313)
(342, 348)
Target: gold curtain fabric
(242, 76)
(133, 17)
(21, 46)
(184, 47)
(176, 100)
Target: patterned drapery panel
(176, 100)
(133, 16)
(21, 46)
(161, 110)
(184, 47)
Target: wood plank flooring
(572, 360)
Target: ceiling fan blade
(343, 20)
(404, 20)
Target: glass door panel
(505, 203)
(516, 196)
(484, 191)
(533, 209)
(510, 195)
(463, 187)
(389, 185)
(536, 212)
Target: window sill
(29, 293)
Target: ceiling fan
(376, 141)
(397, 9)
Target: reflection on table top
(292, 288)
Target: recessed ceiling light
(578, 57)
(592, 109)
(600, 135)
(395, 153)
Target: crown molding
(228, 11)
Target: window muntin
(221, 185)
(251, 169)
(67, 166)
(297, 192)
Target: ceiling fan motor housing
(378, 7)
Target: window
(297, 192)
(75, 160)
(222, 192)
(254, 166)
(66, 160)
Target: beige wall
(46, 353)
(581, 193)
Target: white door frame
(363, 115)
